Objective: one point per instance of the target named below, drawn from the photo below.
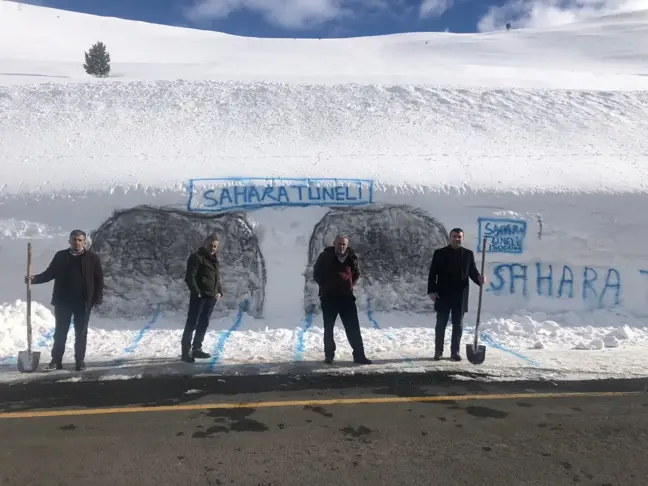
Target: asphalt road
(457, 439)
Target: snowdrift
(159, 134)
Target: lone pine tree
(97, 61)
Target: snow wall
(115, 158)
(553, 253)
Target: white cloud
(434, 8)
(379, 4)
(545, 13)
(290, 14)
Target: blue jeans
(442, 317)
(200, 311)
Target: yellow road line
(302, 403)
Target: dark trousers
(443, 314)
(346, 308)
(63, 314)
(200, 311)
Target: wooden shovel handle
(29, 272)
(481, 287)
(29, 264)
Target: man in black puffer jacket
(203, 280)
(336, 271)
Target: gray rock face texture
(144, 251)
(394, 243)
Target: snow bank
(159, 134)
(559, 277)
(554, 178)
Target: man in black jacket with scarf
(336, 271)
(450, 270)
(78, 287)
(204, 282)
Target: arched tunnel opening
(144, 252)
(395, 244)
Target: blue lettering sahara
(502, 235)
(217, 195)
(600, 287)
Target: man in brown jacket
(78, 287)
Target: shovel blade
(28, 362)
(476, 356)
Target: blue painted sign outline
(279, 181)
(480, 236)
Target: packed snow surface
(547, 125)
(555, 109)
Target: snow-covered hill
(41, 44)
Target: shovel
(476, 353)
(28, 360)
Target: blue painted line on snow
(375, 324)
(138, 337)
(42, 342)
(45, 338)
(224, 336)
(308, 323)
(488, 340)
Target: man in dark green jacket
(203, 280)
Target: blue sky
(343, 18)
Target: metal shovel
(476, 353)
(29, 360)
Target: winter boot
(361, 360)
(54, 365)
(186, 356)
(200, 354)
